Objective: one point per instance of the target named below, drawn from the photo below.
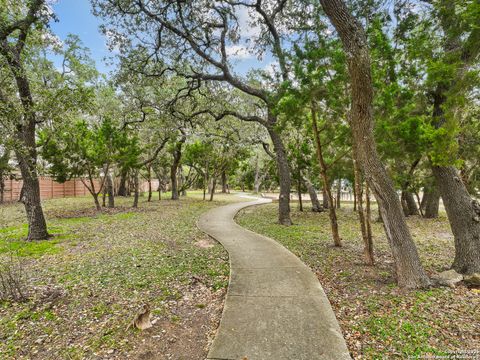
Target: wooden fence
(50, 189)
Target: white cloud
(246, 21)
(239, 52)
(272, 68)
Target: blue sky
(75, 17)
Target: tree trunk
(299, 191)
(135, 189)
(368, 220)
(316, 207)
(27, 155)
(324, 197)
(410, 273)
(37, 226)
(323, 171)
(224, 182)
(97, 203)
(339, 193)
(283, 176)
(2, 188)
(177, 155)
(366, 236)
(411, 203)
(354, 198)
(257, 182)
(173, 178)
(149, 179)
(212, 191)
(122, 187)
(464, 217)
(111, 193)
(181, 182)
(431, 202)
(104, 197)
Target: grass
(90, 279)
(378, 319)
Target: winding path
(275, 307)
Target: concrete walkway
(275, 307)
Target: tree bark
(464, 217)
(111, 193)
(283, 176)
(409, 204)
(212, 191)
(299, 191)
(354, 198)
(177, 155)
(135, 189)
(410, 273)
(324, 197)
(339, 193)
(258, 179)
(224, 182)
(366, 236)
(122, 187)
(316, 207)
(323, 171)
(149, 179)
(431, 202)
(2, 189)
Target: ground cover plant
(86, 284)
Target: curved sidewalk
(275, 307)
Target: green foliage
(83, 149)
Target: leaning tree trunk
(409, 269)
(316, 207)
(283, 176)
(464, 217)
(212, 191)
(409, 204)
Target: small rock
(449, 278)
(473, 279)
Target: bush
(12, 280)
